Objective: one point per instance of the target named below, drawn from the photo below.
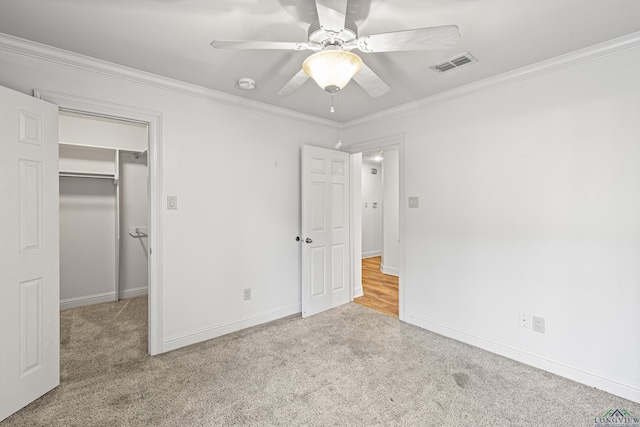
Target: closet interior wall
(134, 251)
(103, 209)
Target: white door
(29, 253)
(325, 229)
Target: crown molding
(47, 53)
(588, 54)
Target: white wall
(103, 132)
(529, 202)
(371, 216)
(390, 213)
(87, 241)
(134, 252)
(236, 173)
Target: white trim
(87, 300)
(371, 254)
(154, 122)
(392, 271)
(51, 54)
(397, 139)
(355, 227)
(588, 54)
(133, 292)
(71, 59)
(609, 385)
(215, 331)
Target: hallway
(380, 290)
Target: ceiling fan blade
(294, 84)
(420, 39)
(332, 14)
(249, 44)
(371, 82)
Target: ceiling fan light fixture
(332, 69)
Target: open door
(325, 229)
(29, 250)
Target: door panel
(325, 228)
(29, 250)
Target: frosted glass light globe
(332, 69)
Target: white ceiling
(171, 38)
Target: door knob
(308, 240)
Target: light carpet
(350, 366)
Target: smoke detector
(246, 83)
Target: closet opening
(104, 223)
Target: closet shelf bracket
(138, 234)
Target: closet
(103, 209)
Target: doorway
(380, 240)
(152, 120)
(378, 224)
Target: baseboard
(358, 292)
(609, 385)
(392, 271)
(371, 254)
(133, 292)
(183, 340)
(87, 300)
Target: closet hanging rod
(86, 175)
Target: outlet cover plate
(538, 324)
(247, 294)
(524, 320)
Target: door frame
(153, 120)
(376, 144)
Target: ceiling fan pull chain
(332, 109)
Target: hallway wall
(371, 210)
(390, 213)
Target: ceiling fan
(333, 37)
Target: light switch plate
(172, 202)
(414, 202)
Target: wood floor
(380, 290)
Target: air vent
(453, 63)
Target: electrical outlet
(247, 294)
(524, 320)
(538, 324)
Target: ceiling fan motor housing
(319, 36)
